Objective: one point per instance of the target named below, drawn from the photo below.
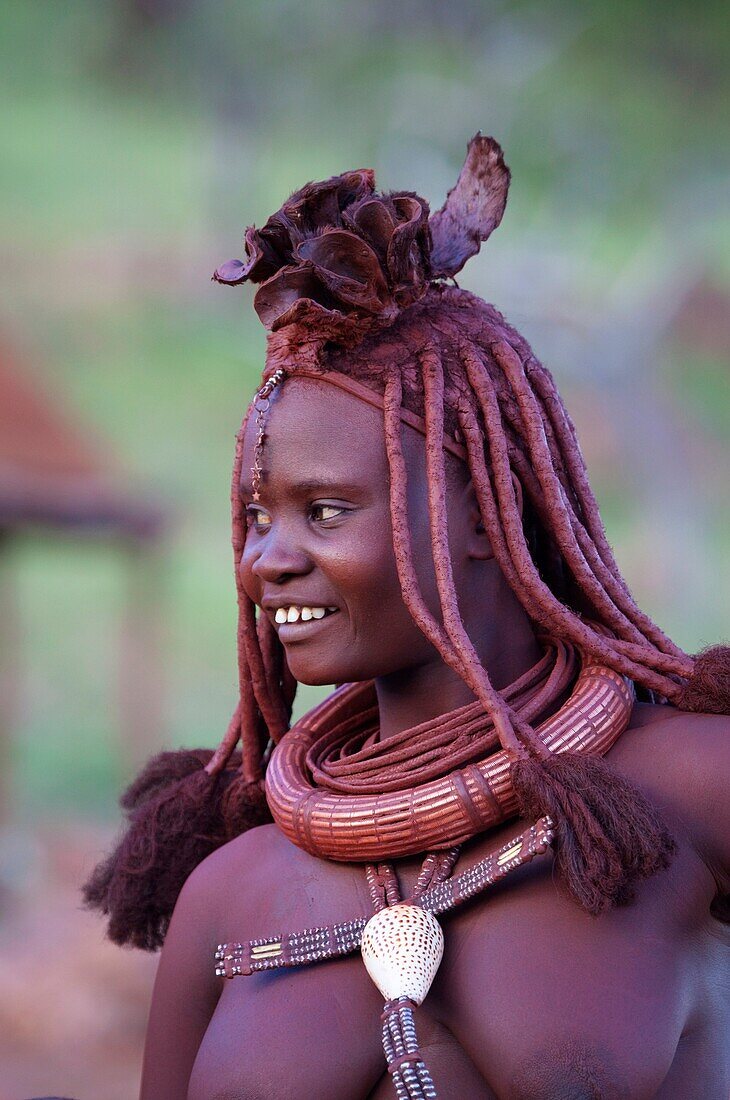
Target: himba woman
(500, 849)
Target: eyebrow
(307, 487)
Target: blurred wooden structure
(57, 480)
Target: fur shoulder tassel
(175, 819)
(708, 688)
(608, 836)
(160, 771)
(244, 806)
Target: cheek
(250, 583)
(374, 594)
(377, 597)
(362, 566)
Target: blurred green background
(139, 138)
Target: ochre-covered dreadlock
(351, 285)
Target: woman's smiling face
(319, 537)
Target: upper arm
(695, 771)
(185, 992)
(707, 785)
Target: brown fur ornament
(175, 819)
(608, 835)
(707, 690)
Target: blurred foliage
(139, 138)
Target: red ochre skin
(534, 998)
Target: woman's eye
(322, 512)
(257, 518)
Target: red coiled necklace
(338, 792)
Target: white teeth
(294, 614)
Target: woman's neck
(419, 694)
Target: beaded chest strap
(402, 944)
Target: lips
(296, 617)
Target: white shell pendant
(402, 947)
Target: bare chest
(533, 998)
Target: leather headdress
(338, 260)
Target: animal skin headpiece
(339, 260)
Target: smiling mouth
(296, 613)
(297, 620)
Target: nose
(276, 556)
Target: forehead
(317, 432)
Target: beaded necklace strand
(402, 944)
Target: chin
(321, 673)
(315, 679)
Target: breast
(533, 998)
(310, 1032)
(514, 1013)
(552, 1002)
(316, 1032)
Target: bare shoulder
(263, 884)
(245, 869)
(683, 761)
(256, 849)
(678, 749)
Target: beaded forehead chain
(261, 404)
